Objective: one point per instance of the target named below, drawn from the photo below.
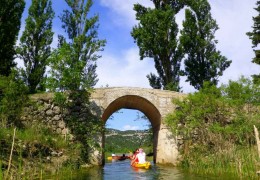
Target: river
(121, 170)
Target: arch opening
(137, 103)
(128, 119)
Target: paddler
(141, 156)
(134, 158)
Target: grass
(38, 134)
(1, 172)
(27, 165)
(237, 162)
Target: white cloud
(124, 69)
(123, 11)
(234, 18)
(129, 127)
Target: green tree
(12, 100)
(73, 68)
(255, 37)
(35, 42)
(203, 61)
(73, 64)
(176, 5)
(10, 21)
(156, 36)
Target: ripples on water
(121, 170)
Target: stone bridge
(154, 103)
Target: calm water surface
(121, 170)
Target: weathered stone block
(46, 107)
(61, 124)
(56, 110)
(58, 130)
(56, 118)
(49, 112)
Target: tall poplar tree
(156, 36)
(10, 21)
(255, 37)
(35, 42)
(203, 62)
(73, 65)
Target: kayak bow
(145, 165)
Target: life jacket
(136, 158)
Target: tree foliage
(10, 17)
(176, 5)
(35, 42)
(255, 37)
(12, 100)
(12, 89)
(73, 64)
(86, 127)
(203, 61)
(156, 36)
(73, 73)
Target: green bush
(214, 123)
(85, 129)
(32, 147)
(13, 97)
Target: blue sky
(120, 64)
(126, 119)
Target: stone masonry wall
(43, 109)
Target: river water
(121, 170)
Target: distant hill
(117, 141)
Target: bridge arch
(154, 103)
(141, 104)
(134, 102)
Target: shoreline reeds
(11, 154)
(238, 162)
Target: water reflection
(121, 170)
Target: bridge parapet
(161, 99)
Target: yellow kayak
(145, 165)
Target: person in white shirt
(141, 156)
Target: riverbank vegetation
(215, 129)
(32, 150)
(35, 152)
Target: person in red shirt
(134, 158)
